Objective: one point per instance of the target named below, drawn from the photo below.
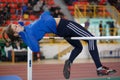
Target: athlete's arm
(30, 41)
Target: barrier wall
(105, 50)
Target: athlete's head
(12, 31)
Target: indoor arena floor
(82, 69)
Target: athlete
(35, 31)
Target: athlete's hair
(10, 33)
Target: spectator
(101, 29)
(45, 7)
(52, 9)
(3, 54)
(58, 14)
(68, 2)
(1, 17)
(56, 11)
(36, 9)
(7, 10)
(18, 46)
(24, 8)
(117, 27)
(41, 4)
(87, 24)
(112, 29)
(30, 9)
(5, 14)
(33, 2)
(19, 10)
(8, 47)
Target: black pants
(68, 28)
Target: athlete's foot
(105, 71)
(66, 70)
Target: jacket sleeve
(30, 41)
(45, 14)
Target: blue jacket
(36, 31)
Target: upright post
(29, 64)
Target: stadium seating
(2, 5)
(3, 1)
(12, 11)
(7, 22)
(13, 17)
(32, 17)
(81, 3)
(27, 23)
(71, 8)
(15, 22)
(13, 4)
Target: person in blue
(34, 32)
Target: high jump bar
(85, 38)
(29, 61)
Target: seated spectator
(58, 14)
(8, 47)
(45, 7)
(1, 17)
(3, 54)
(54, 9)
(41, 4)
(24, 8)
(21, 50)
(30, 9)
(68, 2)
(36, 9)
(7, 8)
(33, 2)
(6, 12)
(18, 9)
(18, 46)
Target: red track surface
(54, 71)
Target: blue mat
(10, 77)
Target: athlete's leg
(77, 49)
(74, 53)
(73, 29)
(92, 46)
(78, 31)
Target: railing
(77, 12)
(96, 11)
(114, 13)
(91, 11)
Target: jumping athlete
(35, 31)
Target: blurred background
(100, 17)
